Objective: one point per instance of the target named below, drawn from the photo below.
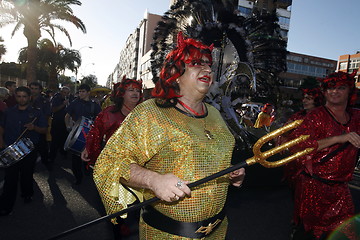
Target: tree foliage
(55, 59)
(33, 16)
(12, 69)
(2, 48)
(90, 80)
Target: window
(354, 64)
(294, 58)
(244, 10)
(283, 33)
(306, 70)
(290, 66)
(343, 65)
(284, 21)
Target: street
(255, 211)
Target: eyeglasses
(200, 63)
(340, 88)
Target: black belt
(323, 180)
(157, 220)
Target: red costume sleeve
(95, 137)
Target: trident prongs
(261, 157)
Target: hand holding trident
(259, 157)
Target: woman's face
(131, 95)
(197, 78)
(308, 102)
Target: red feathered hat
(339, 79)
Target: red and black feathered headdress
(315, 93)
(187, 50)
(340, 79)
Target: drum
(76, 139)
(15, 152)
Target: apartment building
(134, 61)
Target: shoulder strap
(333, 153)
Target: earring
(177, 81)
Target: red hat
(266, 107)
(340, 79)
(120, 87)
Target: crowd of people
(140, 149)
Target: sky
(321, 28)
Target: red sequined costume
(291, 170)
(322, 196)
(106, 123)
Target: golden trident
(259, 157)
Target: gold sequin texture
(167, 141)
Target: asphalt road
(260, 211)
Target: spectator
(17, 119)
(11, 100)
(80, 107)
(58, 129)
(39, 101)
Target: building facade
(134, 61)
(147, 27)
(349, 63)
(299, 67)
(127, 65)
(282, 8)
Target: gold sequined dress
(166, 140)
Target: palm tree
(34, 16)
(55, 58)
(2, 48)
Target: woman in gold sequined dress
(166, 143)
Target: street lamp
(77, 69)
(84, 68)
(82, 75)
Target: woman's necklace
(187, 108)
(193, 113)
(129, 109)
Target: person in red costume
(312, 98)
(322, 196)
(126, 95)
